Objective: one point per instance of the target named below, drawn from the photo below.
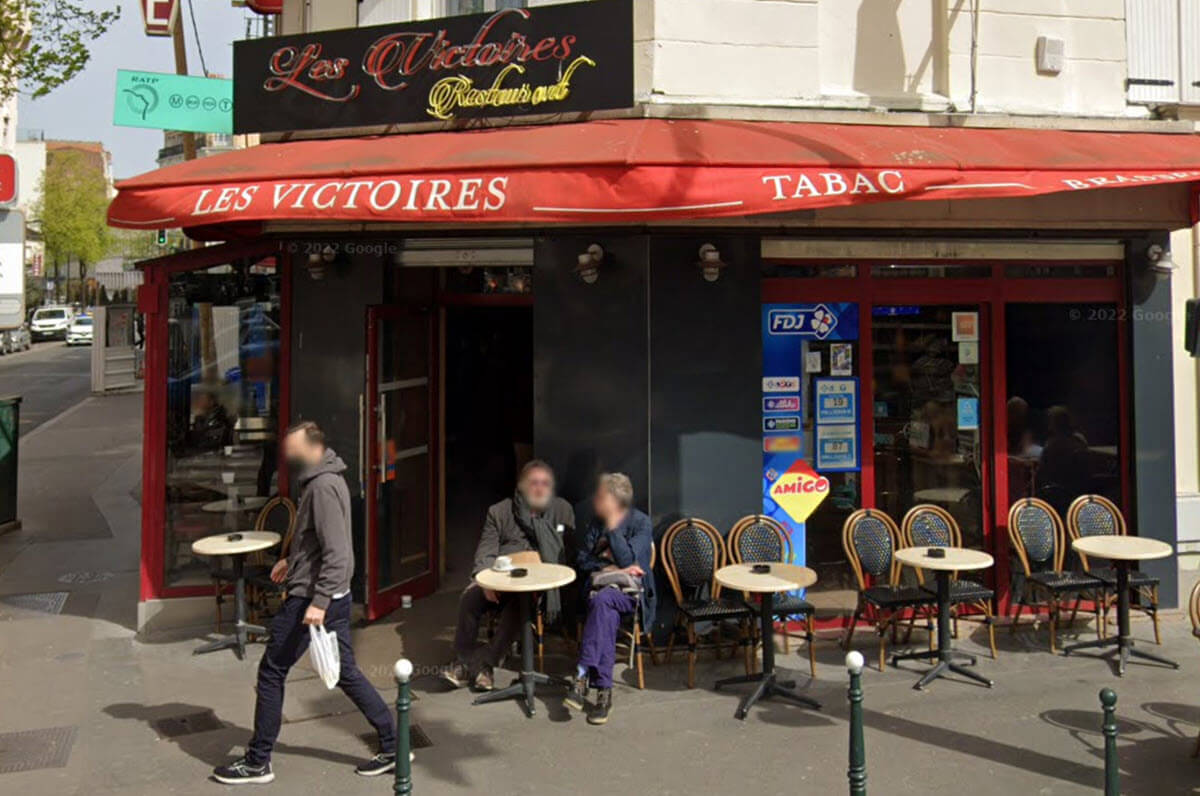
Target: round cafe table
(236, 545)
(780, 577)
(956, 559)
(1121, 550)
(538, 577)
(235, 504)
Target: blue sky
(83, 108)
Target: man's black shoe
(379, 764)
(239, 772)
(576, 698)
(456, 674)
(599, 714)
(485, 680)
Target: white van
(49, 323)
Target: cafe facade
(473, 240)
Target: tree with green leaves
(45, 43)
(70, 215)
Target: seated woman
(613, 564)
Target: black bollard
(1112, 772)
(403, 671)
(857, 773)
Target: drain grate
(30, 750)
(47, 602)
(189, 724)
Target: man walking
(317, 571)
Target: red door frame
(382, 601)
(152, 302)
(991, 293)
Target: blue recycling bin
(10, 426)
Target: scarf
(544, 538)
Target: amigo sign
(556, 59)
(799, 490)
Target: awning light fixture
(588, 267)
(710, 263)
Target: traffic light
(162, 237)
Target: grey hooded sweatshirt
(321, 558)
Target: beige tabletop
(782, 577)
(250, 542)
(957, 558)
(248, 503)
(1122, 548)
(539, 577)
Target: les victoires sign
(552, 59)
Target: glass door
(401, 479)
(928, 402)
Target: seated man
(613, 560)
(532, 519)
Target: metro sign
(8, 180)
(160, 16)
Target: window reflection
(222, 406)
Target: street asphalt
(50, 378)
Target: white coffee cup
(502, 564)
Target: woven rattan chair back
(926, 525)
(268, 520)
(870, 539)
(756, 539)
(1094, 515)
(693, 551)
(1036, 533)
(1194, 609)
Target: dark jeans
(598, 647)
(289, 642)
(472, 605)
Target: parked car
(80, 331)
(50, 323)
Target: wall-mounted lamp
(1160, 259)
(588, 267)
(710, 263)
(319, 262)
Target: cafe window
(223, 339)
(783, 270)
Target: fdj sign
(817, 322)
(553, 59)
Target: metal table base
(523, 686)
(768, 684)
(237, 640)
(1123, 641)
(945, 654)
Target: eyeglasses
(539, 482)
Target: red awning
(638, 170)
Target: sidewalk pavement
(120, 715)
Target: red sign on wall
(8, 181)
(160, 16)
(266, 6)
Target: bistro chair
(870, 539)
(260, 587)
(1094, 515)
(932, 526)
(693, 551)
(1037, 536)
(756, 539)
(637, 636)
(1194, 615)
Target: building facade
(887, 254)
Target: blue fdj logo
(816, 322)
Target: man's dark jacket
(629, 543)
(502, 535)
(321, 558)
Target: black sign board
(547, 59)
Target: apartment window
(1163, 37)
(457, 7)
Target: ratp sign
(162, 101)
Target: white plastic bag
(323, 652)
